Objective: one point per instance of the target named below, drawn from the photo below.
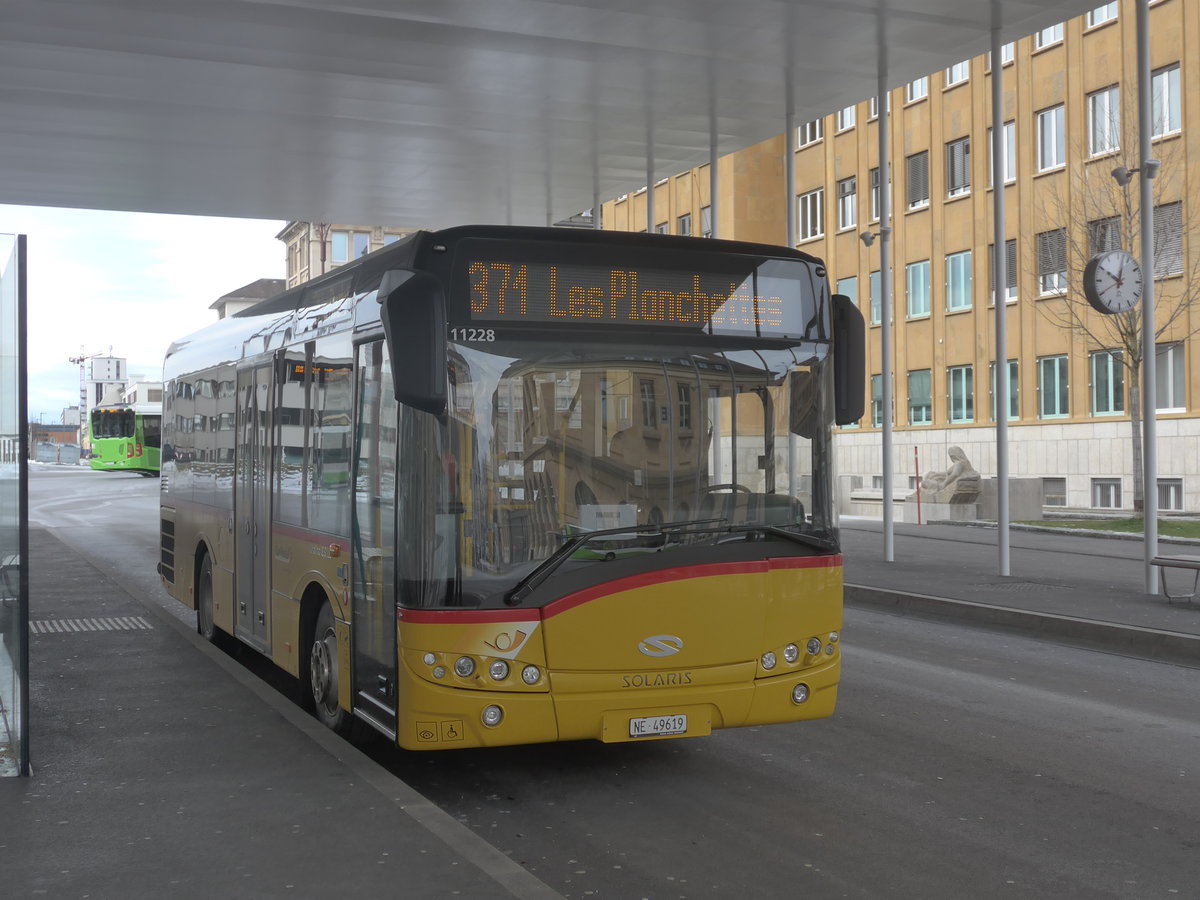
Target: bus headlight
(791, 653)
(498, 670)
(439, 671)
(813, 646)
(768, 660)
(429, 659)
(799, 693)
(464, 667)
(833, 637)
(531, 674)
(492, 716)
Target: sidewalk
(1078, 588)
(163, 769)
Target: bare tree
(1097, 214)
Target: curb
(1127, 640)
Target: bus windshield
(552, 459)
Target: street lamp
(868, 237)
(1123, 176)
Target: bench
(1177, 562)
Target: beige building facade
(1070, 118)
(314, 248)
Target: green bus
(126, 438)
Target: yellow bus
(501, 485)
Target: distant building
(243, 298)
(314, 248)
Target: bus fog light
(799, 693)
(531, 674)
(791, 653)
(429, 659)
(833, 637)
(492, 716)
(829, 649)
(498, 670)
(464, 667)
(768, 660)
(439, 671)
(813, 646)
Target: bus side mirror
(849, 361)
(413, 310)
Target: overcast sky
(130, 281)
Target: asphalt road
(960, 763)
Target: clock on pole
(1112, 281)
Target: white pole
(1149, 391)
(1000, 287)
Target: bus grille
(166, 562)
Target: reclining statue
(958, 484)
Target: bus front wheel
(323, 673)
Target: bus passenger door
(374, 613)
(251, 507)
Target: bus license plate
(654, 726)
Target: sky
(132, 282)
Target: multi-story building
(314, 248)
(1070, 118)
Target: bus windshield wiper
(799, 537)
(573, 544)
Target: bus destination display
(767, 300)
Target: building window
(1008, 53)
(684, 223)
(962, 394)
(662, 228)
(1165, 114)
(810, 214)
(1048, 36)
(958, 167)
(1052, 261)
(1102, 14)
(847, 193)
(1170, 494)
(684, 393)
(348, 245)
(706, 221)
(1010, 154)
(1054, 492)
(876, 297)
(845, 118)
(873, 111)
(1014, 387)
(1010, 271)
(875, 197)
(918, 288)
(958, 73)
(1053, 389)
(958, 280)
(1169, 385)
(848, 287)
(1104, 234)
(920, 397)
(649, 404)
(1051, 139)
(877, 401)
(810, 132)
(1106, 493)
(917, 90)
(1108, 383)
(1168, 239)
(918, 180)
(1104, 120)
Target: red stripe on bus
(633, 582)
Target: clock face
(1112, 281)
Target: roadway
(962, 762)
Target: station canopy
(435, 112)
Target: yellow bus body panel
(707, 626)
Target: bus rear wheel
(323, 673)
(204, 602)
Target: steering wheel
(735, 488)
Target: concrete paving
(163, 768)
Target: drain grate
(1017, 587)
(75, 626)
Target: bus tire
(323, 674)
(205, 625)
